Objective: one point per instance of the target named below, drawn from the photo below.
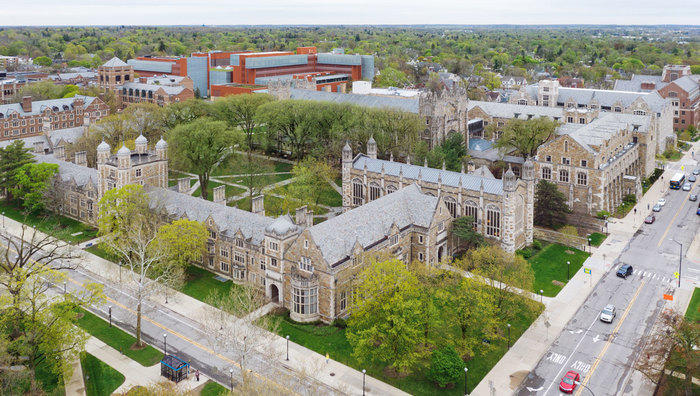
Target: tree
(391, 77)
(199, 146)
(31, 182)
(463, 228)
(386, 320)
(445, 366)
(41, 90)
(154, 253)
(550, 205)
(256, 173)
(287, 125)
(42, 61)
(12, 158)
(524, 136)
(311, 178)
(239, 111)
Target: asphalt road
(604, 353)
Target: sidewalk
(75, 385)
(505, 377)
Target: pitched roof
(689, 84)
(509, 110)
(382, 102)
(410, 172)
(67, 171)
(68, 135)
(634, 84)
(169, 89)
(39, 106)
(115, 62)
(337, 236)
(598, 131)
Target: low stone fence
(558, 237)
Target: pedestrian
(196, 375)
(647, 206)
(635, 211)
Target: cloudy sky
(286, 12)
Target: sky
(331, 12)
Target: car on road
(608, 313)
(696, 171)
(687, 187)
(569, 381)
(698, 211)
(650, 219)
(692, 178)
(662, 201)
(692, 197)
(656, 208)
(624, 271)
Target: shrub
(445, 366)
(629, 199)
(526, 253)
(602, 214)
(340, 323)
(537, 245)
(569, 230)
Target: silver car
(693, 197)
(608, 313)
(656, 208)
(687, 186)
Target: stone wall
(557, 237)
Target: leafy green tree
(473, 310)
(12, 157)
(386, 320)
(199, 146)
(42, 61)
(391, 77)
(550, 205)
(185, 112)
(40, 90)
(239, 111)
(31, 182)
(465, 231)
(255, 173)
(287, 125)
(311, 178)
(524, 136)
(446, 367)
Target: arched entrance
(274, 293)
(441, 251)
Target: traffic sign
(586, 270)
(676, 274)
(668, 297)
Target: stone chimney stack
(60, 153)
(183, 185)
(27, 104)
(39, 147)
(81, 158)
(300, 216)
(309, 218)
(258, 205)
(219, 195)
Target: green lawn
(100, 378)
(550, 264)
(274, 206)
(597, 238)
(329, 339)
(200, 282)
(59, 226)
(174, 175)
(117, 339)
(230, 190)
(212, 388)
(237, 166)
(693, 311)
(329, 196)
(97, 251)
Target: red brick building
(684, 93)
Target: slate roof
(169, 89)
(228, 219)
(68, 135)
(604, 97)
(634, 84)
(410, 105)
(690, 84)
(410, 172)
(39, 106)
(371, 222)
(603, 128)
(508, 110)
(68, 171)
(115, 62)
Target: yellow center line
(610, 339)
(672, 220)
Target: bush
(340, 323)
(602, 214)
(569, 230)
(629, 199)
(445, 366)
(537, 245)
(526, 253)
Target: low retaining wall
(558, 237)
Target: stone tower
(372, 148)
(347, 183)
(510, 185)
(144, 167)
(141, 144)
(547, 93)
(529, 179)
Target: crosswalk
(652, 276)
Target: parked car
(693, 197)
(692, 178)
(569, 381)
(608, 313)
(698, 211)
(650, 219)
(662, 201)
(696, 171)
(624, 271)
(687, 186)
(656, 208)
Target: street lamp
(466, 391)
(541, 291)
(589, 245)
(165, 344)
(589, 389)
(3, 219)
(680, 260)
(64, 287)
(508, 335)
(568, 271)
(230, 371)
(364, 374)
(287, 347)
(110, 316)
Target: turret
(347, 153)
(124, 157)
(372, 148)
(103, 150)
(509, 180)
(162, 149)
(141, 144)
(528, 169)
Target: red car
(568, 382)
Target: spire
(391, 156)
(443, 165)
(425, 162)
(462, 171)
(420, 175)
(408, 159)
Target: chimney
(81, 158)
(300, 216)
(60, 153)
(143, 80)
(258, 205)
(183, 185)
(310, 218)
(219, 195)
(39, 147)
(27, 104)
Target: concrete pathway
(75, 385)
(260, 312)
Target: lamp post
(364, 374)
(680, 261)
(3, 219)
(165, 344)
(287, 347)
(589, 245)
(466, 390)
(508, 335)
(230, 371)
(589, 389)
(110, 316)
(568, 271)
(64, 287)
(541, 291)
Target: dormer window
(305, 264)
(394, 240)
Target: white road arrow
(596, 338)
(579, 331)
(534, 389)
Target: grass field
(693, 311)
(550, 264)
(236, 165)
(597, 238)
(59, 226)
(100, 379)
(230, 190)
(329, 196)
(117, 339)
(212, 388)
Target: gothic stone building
(502, 209)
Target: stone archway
(274, 293)
(441, 253)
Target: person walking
(196, 375)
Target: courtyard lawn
(597, 238)
(230, 190)
(200, 283)
(100, 378)
(117, 339)
(331, 340)
(59, 226)
(174, 175)
(549, 264)
(329, 196)
(237, 166)
(275, 206)
(212, 388)
(693, 311)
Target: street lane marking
(610, 339)
(556, 358)
(672, 220)
(581, 367)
